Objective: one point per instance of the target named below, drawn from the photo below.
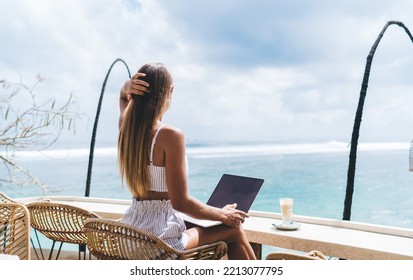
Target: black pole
(357, 121)
(95, 126)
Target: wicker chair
(313, 255)
(14, 230)
(5, 199)
(114, 240)
(60, 223)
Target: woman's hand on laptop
(232, 216)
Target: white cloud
(243, 70)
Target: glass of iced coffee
(286, 205)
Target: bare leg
(238, 245)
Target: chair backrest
(15, 230)
(59, 222)
(108, 239)
(5, 199)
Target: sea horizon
(220, 149)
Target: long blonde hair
(136, 130)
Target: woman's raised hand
(135, 86)
(232, 216)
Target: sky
(244, 70)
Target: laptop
(230, 189)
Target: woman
(152, 160)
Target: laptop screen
(235, 189)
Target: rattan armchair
(14, 230)
(60, 223)
(280, 255)
(5, 199)
(114, 240)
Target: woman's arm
(176, 178)
(132, 86)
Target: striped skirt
(159, 218)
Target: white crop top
(157, 173)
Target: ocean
(314, 174)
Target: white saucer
(292, 226)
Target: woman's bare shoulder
(171, 134)
(171, 130)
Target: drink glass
(286, 205)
